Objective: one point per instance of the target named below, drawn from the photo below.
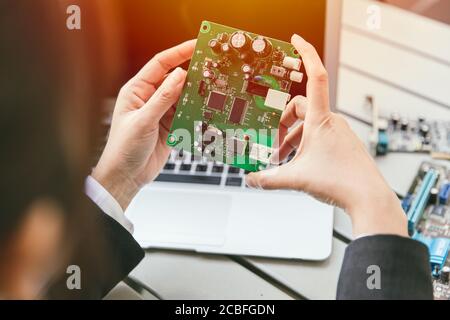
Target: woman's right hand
(331, 162)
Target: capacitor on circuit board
(424, 130)
(215, 46)
(434, 195)
(445, 274)
(404, 124)
(225, 48)
(261, 46)
(240, 41)
(246, 68)
(395, 119)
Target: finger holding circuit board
(237, 87)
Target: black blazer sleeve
(405, 271)
(105, 258)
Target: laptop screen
(152, 26)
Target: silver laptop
(206, 207)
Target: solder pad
(236, 89)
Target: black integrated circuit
(216, 100)
(238, 110)
(257, 89)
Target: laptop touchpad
(178, 216)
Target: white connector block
(292, 63)
(277, 99)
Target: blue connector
(420, 201)
(438, 248)
(444, 194)
(439, 252)
(383, 143)
(406, 202)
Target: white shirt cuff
(106, 202)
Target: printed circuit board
(237, 87)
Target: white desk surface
(185, 275)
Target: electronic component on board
(247, 68)
(444, 193)
(216, 100)
(434, 195)
(278, 55)
(240, 41)
(296, 76)
(215, 45)
(238, 110)
(417, 208)
(278, 71)
(277, 99)
(424, 130)
(292, 63)
(404, 124)
(202, 88)
(208, 115)
(221, 83)
(225, 48)
(445, 274)
(439, 248)
(208, 74)
(257, 89)
(395, 119)
(261, 47)
(439, 211)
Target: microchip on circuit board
(236, 89)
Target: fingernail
(296, 37)
(248, 180)
(275, 157)
(176, 74)
(177, 71)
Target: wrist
(121, 187)
(379, 213)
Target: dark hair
(50, 91)
(32, 160)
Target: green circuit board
(237, 87)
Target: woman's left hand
(136, 149)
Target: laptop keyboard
(185, 168)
